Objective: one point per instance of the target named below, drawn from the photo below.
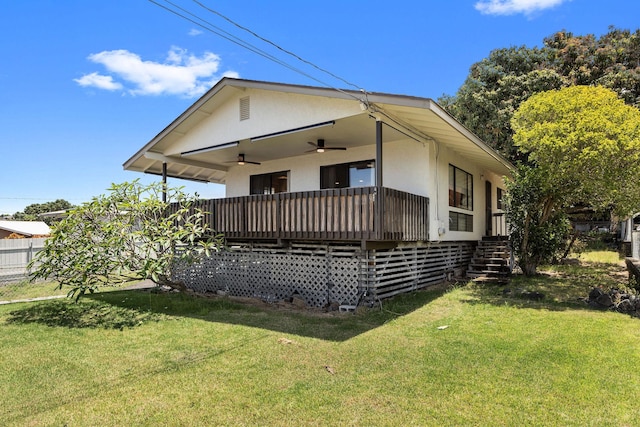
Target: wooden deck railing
(346, 214)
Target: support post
(379, 153)
(164, 182)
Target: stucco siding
(269, 112)
(408, 166)
(441, 208)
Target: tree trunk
(576, 233)
(529, 267)
(166, 281)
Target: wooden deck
(347, 214)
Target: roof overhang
(419, 118)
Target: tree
(32, 211)
(127, 235)
(583, 145)
(538, 225)
(497, 85)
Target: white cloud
(180, 74)
(99, 81)
(510, 7)
(194, 32)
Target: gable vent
(244, 108)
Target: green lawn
(25, 290)
(473, 355)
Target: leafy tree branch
(125, 236)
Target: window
(460, 188)
(460, 222)
(269, 183)
(355, 174)
(500, 196)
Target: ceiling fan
(241, 160)
(320, 147)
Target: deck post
(379, 182)
(164, 182)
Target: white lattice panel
(314, 274)
(323, 274)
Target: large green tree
(495, 88)
(497, 85)
(583, 146)
(538, 224)
(128, 235)
(32, 212)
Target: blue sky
(85, 83)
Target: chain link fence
(15, 255)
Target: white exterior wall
(405, 168)
(440, 210)
(269, 112)
(408, 166)
(304, 171)
(420, 168)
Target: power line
(32, 198)
(226, 35)
(277, 46)
(242, 43)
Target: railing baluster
(364, 213)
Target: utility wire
(277, 46)
(226, 35)
(238, 41)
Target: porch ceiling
(421, 118)
(212, 165)
(433, 123)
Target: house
(23, 229)
(336, 196)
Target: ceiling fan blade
(243, 161)
(312, 143)
(335, 148)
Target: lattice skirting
(408, 268)
(324, 274)
(319, 274)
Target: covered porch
(366, 214)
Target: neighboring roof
(421, 117)
(54, 214)
(26, 228)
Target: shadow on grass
(557, 288)
(129, 309)
(88, 313)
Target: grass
(25, 290)
(471, 355)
